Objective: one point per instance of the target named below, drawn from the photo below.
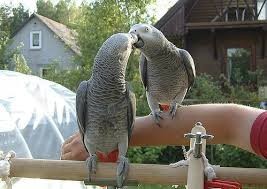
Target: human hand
(73, 149)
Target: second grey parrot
(106, 107)
(167, 72)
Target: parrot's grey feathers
(189, 66)
(131, 111)
(105, 106)
(81, 106)
(143, 70)
(167, 72)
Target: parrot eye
(147, 29)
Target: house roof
(169, 13)
(68, 36)
(173, 22)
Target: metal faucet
(197, 148)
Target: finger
(70, 139)
(66, 148)
(66, 156)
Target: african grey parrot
(106, 107)
(167, 72)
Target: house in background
(45, 41)
(211, 30)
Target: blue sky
(160, 8)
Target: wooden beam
(214, 42)
(141, 173)
(254, 14)
(230, 24)
(218, 12)
(237, 8)
(225, 10)
(256, 7)
(190, 11)
(263, 44)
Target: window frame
(31, 39)
(42, 69)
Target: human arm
(229, 123)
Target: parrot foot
(157, 117)
(122, 170)
(91, 165)
(173, 109)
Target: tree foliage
(46, 8)
(10, 20)
(4, 33)
(65, 11)
(103, 18)
(20, 64)
(19, 16)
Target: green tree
(68, 78)
(62, 13)
(5, 11)
(19, 16)
(20, 64)
(10, 20)
(65, 11)
(46, 8)
(103, 18)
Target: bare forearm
(229, 123)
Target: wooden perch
(142, 173)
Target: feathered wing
(143, 70)
(81, 106)
(131, 110)
(188, 62)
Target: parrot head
(150, 39)
(117, 47)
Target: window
(238, 66)
(238, 14)
(45, 71)
(35, 40)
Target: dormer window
(35, 39)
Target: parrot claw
(157, 117)
(91, 165)
(122, 170)
(173, 109)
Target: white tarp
(36, 116)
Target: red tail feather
(111, 157)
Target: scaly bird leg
(177, 101)
(173, 108)
(91, 165)
(123, 162)
(122, 170)
(157, 116)
(154, 106)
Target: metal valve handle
(199, 134)
(198, 142)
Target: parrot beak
(134, 37)
(139, 42)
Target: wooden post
(195, 176)
(142, 173)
